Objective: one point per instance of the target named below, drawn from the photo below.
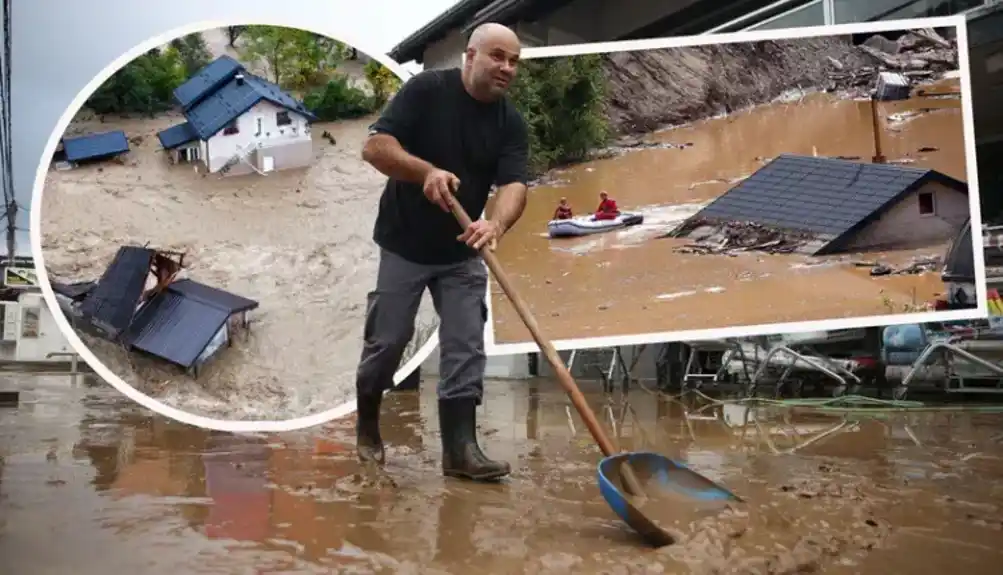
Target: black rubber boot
(461, 456)
(368, 443)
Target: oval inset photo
(207, 222)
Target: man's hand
(439, 184)
(482, 233)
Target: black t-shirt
(484, 144)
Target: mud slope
(650, 89)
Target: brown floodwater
(297, 241)
(122, 491)
(631, 282)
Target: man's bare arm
(510, 201)
(384, 152)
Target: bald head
(492, 33)
(492, 58)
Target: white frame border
(959, 22)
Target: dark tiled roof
(209, 295)
(175, 328)
(113, 301)
(824, 196)
(76, 291)
(232, 99)
(181, 321)
(177, 136)
(206, 81)
(95, 146)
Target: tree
(562, 101)
(339, 100)
(383, 82)
(296, 59)
(143, 86)
(193, 51)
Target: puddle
(598, 278)
(123, 490)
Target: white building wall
(49, 338)
(222, 147)
(903, 225)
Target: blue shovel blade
(659, 475)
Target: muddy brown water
(297, 241)
(123, 491)
(629, 282)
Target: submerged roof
(210, 78)
(95, 146)
(113, 301)
(232, 99)
(217, 95)
(177, 135)
(827, 197)
(179, 323)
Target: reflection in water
(630, 282)
(197, 501)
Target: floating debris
(917, 266)
(732, 238)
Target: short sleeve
(513, 163)
(400, 117)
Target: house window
(926, 204)
(231, 129)
(259, 122)
(282, 118)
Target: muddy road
(124, 491)
(298, 241)
(633, 282)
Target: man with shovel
(446, 133)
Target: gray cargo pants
(458, 293)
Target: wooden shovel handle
(563, 375)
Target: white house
(238, 123)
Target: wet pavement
(630, 282)
(91, 483)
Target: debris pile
(917, 266)
(731, 238)
(920, 55)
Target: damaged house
(140, 304)
(237, 123)
(820, 206)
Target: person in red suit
(607, 209)
(563, 211)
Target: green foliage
(562, 101)
(296, 59)
(194, 52)
(339, 100)
(143, 86)
(383, 82)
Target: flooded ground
(297, 241)
(123, 491)
(631, 282)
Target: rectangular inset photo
(745, 183)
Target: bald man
(445, 131)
